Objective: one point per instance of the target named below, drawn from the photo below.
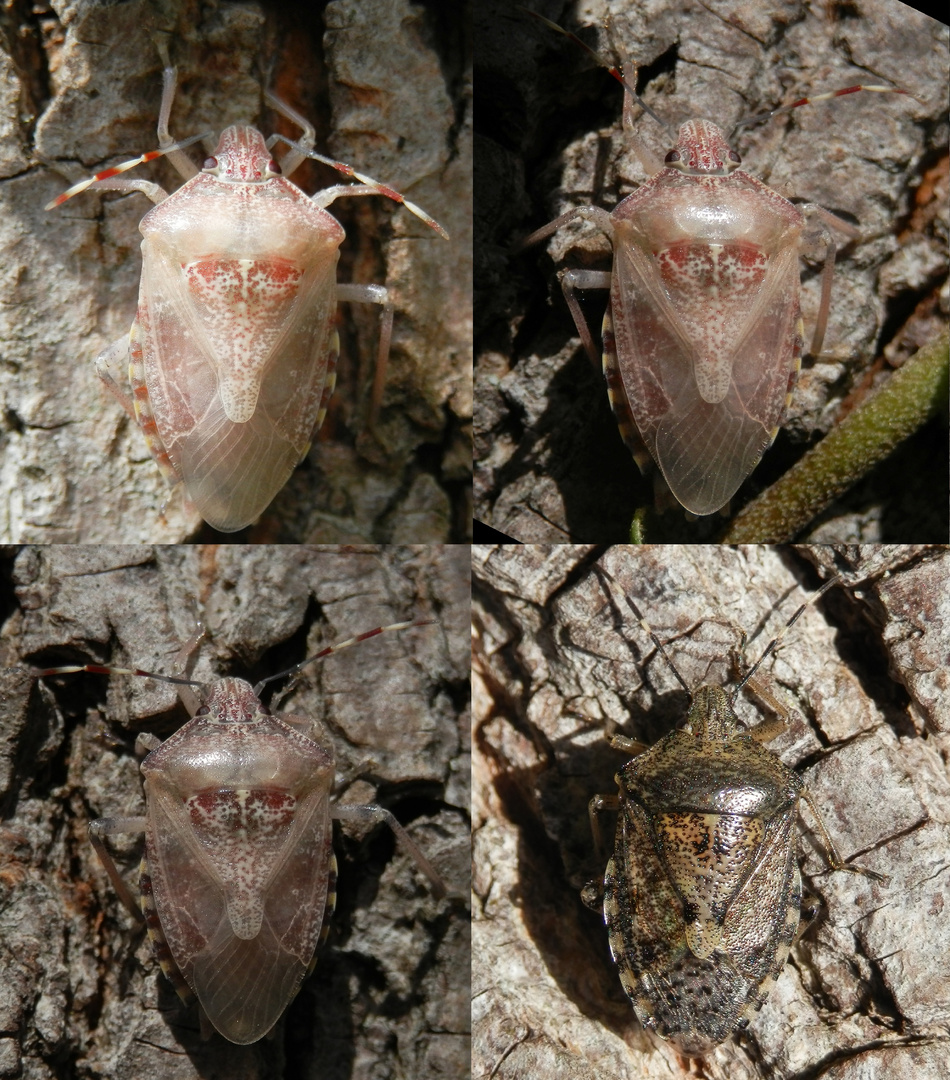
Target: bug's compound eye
(673, 157)
(273, 168)
(210, 164)
(734, 158)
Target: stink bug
(238, 877)
(702, 896)
(231, 359)
(551, 464)
(702, 336)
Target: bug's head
(242, 157)
(711, 716)
(702, 150)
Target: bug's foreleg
(111, 827)
(594, 214)
(179, 159)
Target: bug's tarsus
(832, 857)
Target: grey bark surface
(550, 464)
(80, 993)
(559, 662)
(384, 82)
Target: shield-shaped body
(233, 353)
(703, 894)
(703, 334)
(240, 867)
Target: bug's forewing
(707, 347)
(239, 874)
(646, 929)
(763, 917)
(702, 894)
(237, 345)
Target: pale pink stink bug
(702, 337)
(238, 878)
(231, 359)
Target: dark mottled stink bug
(703, 896)
(238, 879)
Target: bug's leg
(120, 367)
(633, 747)
(650, 162)
(769, 729)
(180, 666)
(110, 827)
(811, 905)
(571, 280)
(372, 812)
(294, 157)
(597, 805)
(153, 192)
(592, 895)
(112, 366)
(181, 161)
(834, 860)
(579, 279)
(328, 195)
(372, 294)
(552, 226)
(174, 151)
(817, 237)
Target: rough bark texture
(384, 82)
(80, 994)
(551, 464)
(559, 660)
